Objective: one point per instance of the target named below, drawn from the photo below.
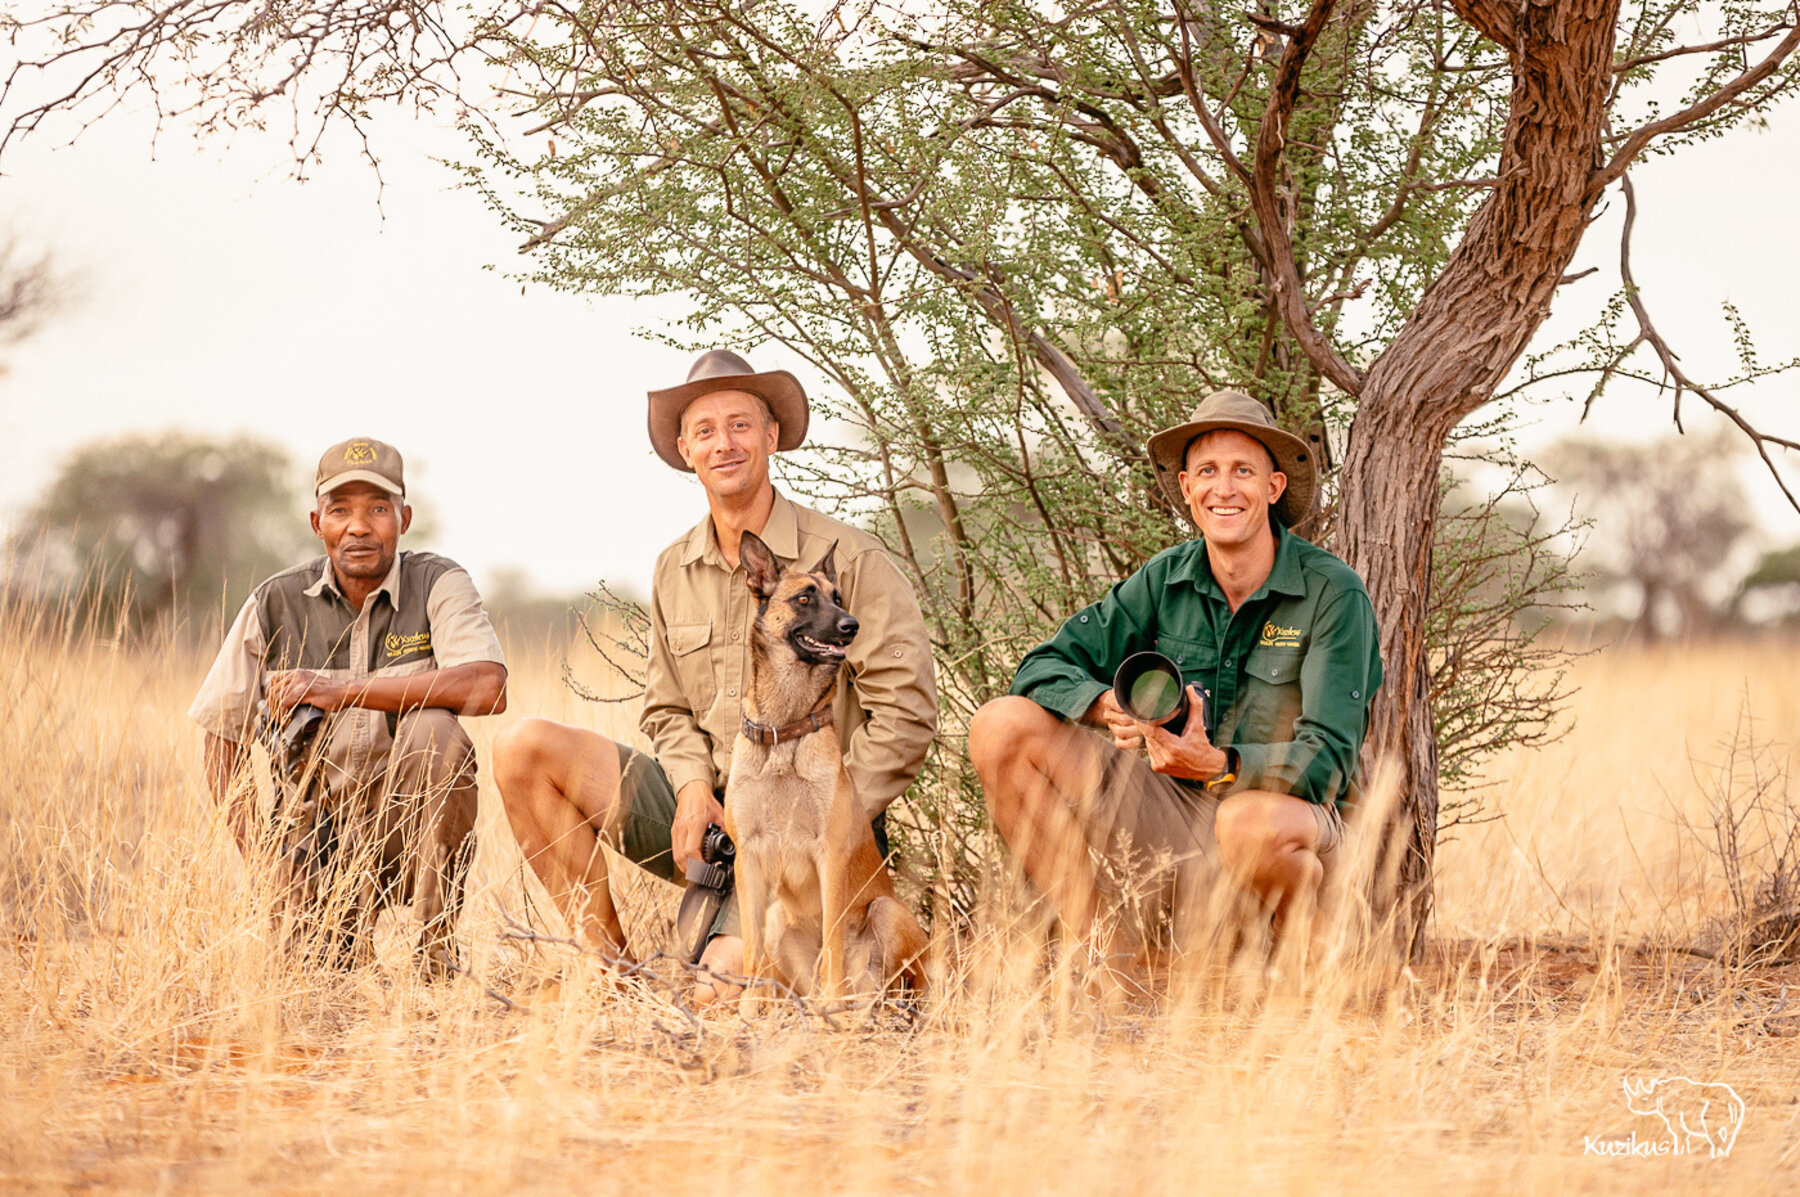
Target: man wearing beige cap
(356, 665)
(567, 789)
(1125, 832)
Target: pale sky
(222, 296)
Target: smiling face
(1230, 482)
(726, 438)
(361, 525)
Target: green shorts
(646, 817)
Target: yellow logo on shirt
(1276, 636)
(399, 646)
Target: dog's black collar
(761, 734)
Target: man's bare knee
(1259, 836)
(519, 751)
(1003, 728)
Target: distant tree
(172, 527)
(30, 290)
(1668, 517)
(1775, 578)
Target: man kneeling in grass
(1275, 636)
(369, 653)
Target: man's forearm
(477, 688)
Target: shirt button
(896, 652)
(1356, 694)
(734, 635)
(1274, 672)
(1229, 663)
(1084, 619)
(732, 692)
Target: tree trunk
(1471, 325)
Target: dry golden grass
(150, 1038)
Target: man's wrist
(1228, 772)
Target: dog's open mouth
(818, 648)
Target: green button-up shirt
(1288, 675)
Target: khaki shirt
(700, 615)
(425, 615)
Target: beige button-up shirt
(426, 614)
(700, 615)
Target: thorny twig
(1647, 334)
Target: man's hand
(1127, 733)
(695, 810)
(288, 688)
(1190, 755)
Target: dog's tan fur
(819, 911)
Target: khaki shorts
(1150, 838)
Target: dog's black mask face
(819, 628)
(803, 608)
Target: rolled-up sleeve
(226, 703)
(676, 740)
(896, 685)
(1338, 677)
(461, 632)
(1067, 672)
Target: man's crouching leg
(1035, 770)
(432, 778)
(560, 785)
(1270, 845)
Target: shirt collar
(781, 534)
(1285, 576)
(328, 581)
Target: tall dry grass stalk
(155, 1037)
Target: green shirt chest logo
(1274, 635)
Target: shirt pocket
(1272, 695)
(693, 664)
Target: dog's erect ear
(828, 564)
(761, 569)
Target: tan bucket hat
(723, 370)
(361, 459)
(1240, 413)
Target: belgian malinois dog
(818, 908)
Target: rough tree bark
(1469, 328)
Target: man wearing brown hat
(567, 789)
(354, 667)
(1126, 832)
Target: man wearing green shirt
(1276, 638)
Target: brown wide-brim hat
(723, 370)
(1238, 412)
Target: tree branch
(1695, 112)
(1273, 207)
(1671, 362)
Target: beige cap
(361, 459)
(723, 370)
(1238, 412)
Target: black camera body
(289, 738)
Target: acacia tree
(1019, 236)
